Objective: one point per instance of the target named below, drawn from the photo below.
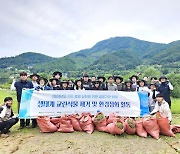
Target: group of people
(158, 92)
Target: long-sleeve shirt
(22, 85)
(164, 109)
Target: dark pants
(26, 122)
(6, 125)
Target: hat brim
(101, 77)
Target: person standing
(42, 84)
(54, 84)
(96, 85)
(152, 97)
(142, 86)
(119, 80)
(165, 88)
(23, 83)
(128, 86)
(78, 85)
(110, 85)
(134, 79)
(34, 77)
(86, 82)
(102, 79)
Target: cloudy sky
(59, 27)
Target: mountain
(108, 56)
(136, 46)
(24, 60)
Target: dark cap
(34, 74)
(101, 77)
(42, 78)
(134, 76)
(64, 81)
(85, 75)
(160, 95)
(57, 72)
(96, 82)
(128, 81)
(118, 77)
(162, 77)
(54, 79)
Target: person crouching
(162, 107)
(7, 118)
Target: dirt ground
(28, 141)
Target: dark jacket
(165, 90)
(43, 88)
(86, 85)
(21, 85)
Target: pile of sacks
(152, 125)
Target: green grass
(8, 93)
(175, 108)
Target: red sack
(130, 126)
(175, 128)
(151, 126)
(86, 123)
(100, 122)
(140, 131)
(65, 125)
(117, 127)
(111, 118)
(164, 125)
(45, 125)
(56, 121)
(75, 122)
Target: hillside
(110, 55)
(24, 60)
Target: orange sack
(175, 128)
(111, 118)
(164, 125)
(75, 122)
(140, 131)
(86, 123)
(45, 125)
(130, 126)
(56, 121)
(99, 121)
(151, 126)
(117, 127)
(65, 125)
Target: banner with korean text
(60, 102)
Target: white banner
(59, 102)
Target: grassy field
(175, 109)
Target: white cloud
(57, 28)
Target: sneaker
(4, 135)
(27, 126)
(20, 127)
